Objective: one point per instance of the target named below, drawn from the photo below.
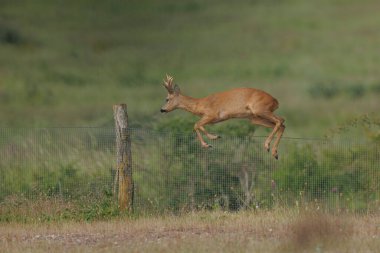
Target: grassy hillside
(64, 63)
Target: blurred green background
(65, 63)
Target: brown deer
(253, 104)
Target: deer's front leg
(210, 136)
(199, 127)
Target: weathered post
(124, 159)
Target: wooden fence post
(124, 159)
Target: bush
(301, 174)
(325, 90)
(375, 88)
(10, 36)
(355, 90)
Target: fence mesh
(171, 172)
(64, 162)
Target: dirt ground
(201, 232)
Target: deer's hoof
(213, 137)
(205, 145)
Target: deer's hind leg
(265, 123)
(280, 132)
(268, 119)
(278, 129)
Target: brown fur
(253, 104)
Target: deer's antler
(168, 83)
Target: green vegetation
(56, 174)
(65, 63)
(62, 174)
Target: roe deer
(249, 103)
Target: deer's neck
(190, 104)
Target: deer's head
(172, 99)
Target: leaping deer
(253, 104)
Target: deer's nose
(163, 110)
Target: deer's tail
(275, 105)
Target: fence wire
(171, 172)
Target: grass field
(275, 231)
(65, 63)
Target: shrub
(324, 90)
(375, 88)
(355, 90)
(10, 36)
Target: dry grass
(201, 232)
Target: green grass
(65, 63)
(65, 174)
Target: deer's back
(237, 102)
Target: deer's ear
(176, 89)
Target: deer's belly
(228, 114)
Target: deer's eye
(167, 100)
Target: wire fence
(171, 172)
